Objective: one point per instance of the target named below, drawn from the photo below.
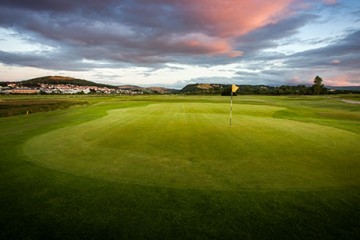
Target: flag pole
(234, 88)
(231, 106)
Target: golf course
(172, 167)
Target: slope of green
(152, 167)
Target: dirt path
(351, 101)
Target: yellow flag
(234, 88)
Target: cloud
(198, 43)
(141, 31)
(94, 35)
(232, 17)
(57, 5)
(345, 53)
(330, 2)
(267, 36)
(341, 80)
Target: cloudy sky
(175, 42)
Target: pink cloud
(330, 2)
(229, 18)
(335, 61)
(198, 43)
(303, 5)
(214, 24)
(340, 80)
(296, 80)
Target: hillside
(225, 89)
(344, 88)
(81, 82)
(149, 90)
(161, 90)
(61, 80)
(199, 88)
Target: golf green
(191, 145)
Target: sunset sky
(172, 43)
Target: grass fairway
(171, 167)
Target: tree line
(317, 88)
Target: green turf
(171, 167)
(191, 145)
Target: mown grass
(191, 145)
(171, 168)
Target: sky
(172, 43)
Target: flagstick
(231, 106)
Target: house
(23, 91)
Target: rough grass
(172, 168)
(11, 106)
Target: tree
(318, 87)
(227, 92)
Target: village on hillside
(43, 88)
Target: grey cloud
(266, 37)
(346, 51)
(57, 5)
(54, 61)
(124, 31)
(129, 31)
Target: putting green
(191, 145)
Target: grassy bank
(21, 105)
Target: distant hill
(150, 90)
(62, 80)
(81, 82)
(130, 87)
(161, 90)
(345, 88)
(225, 89)
(200, 88)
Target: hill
(61, 80)
(225, 89)
(81, 82)
(150, 90)
(345, 88)
(201, 88)
(161, 90)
